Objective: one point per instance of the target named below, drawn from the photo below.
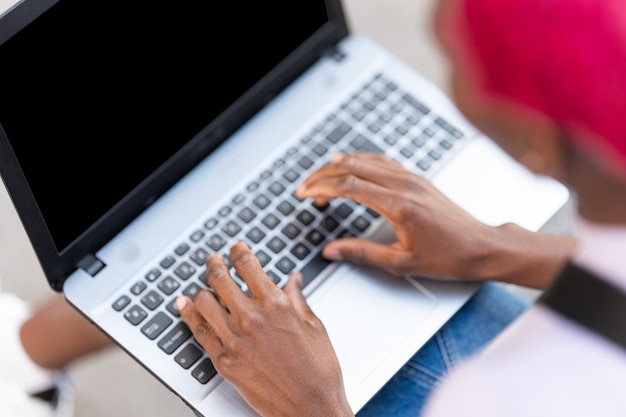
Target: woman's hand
(268, 344)
(435, 237)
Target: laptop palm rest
(362, 321)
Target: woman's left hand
(268, 344)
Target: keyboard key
(449, 128)
(320, 149)
(199, 256)
(285, 207)
(204, 372)
(168, 285)
(181, 249)
(171, 307)
(305, 162)
(315, 237)
(211, 223)
(261, 201)
(274, 277)
(188, 356)
(291, 231)
(423, 165)
(195, 237)
(156, 325)
(138, 287)
(270, 221)
(361, 223)
(276, 188)
(416, 104)
(175, 337)
(168, 261)
(216, 242)
(276, 244)
(344, 210)
(225, 211)
(121, 303)
(247, 215)
(231, 228)
(152, 300)
(329, 223)
(263, 257)
(291, 175)
(191, 290)
(339, 132)
(184, 271)
(285, 265)
(300, 251)
(313, 268)
(135, 315)
(153, 274)
(255, 234)
(238, 199)
(305, 217)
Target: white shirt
(543, 364)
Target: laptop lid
(97, 120)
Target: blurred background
(110, 383)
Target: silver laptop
(138, 138)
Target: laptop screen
(134, 94)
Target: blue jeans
(482, 318)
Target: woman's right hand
(435, 237)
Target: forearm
(519, 256)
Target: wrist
(519, 256)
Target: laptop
(137, 139)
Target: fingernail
(181, 303)
(297, 276)
(338, 157)
(332, 254)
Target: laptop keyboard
(287, 233)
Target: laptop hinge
(334, 53)
(91, 264)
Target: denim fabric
(482, 318)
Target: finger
(293, 289)
(213, 311)
(248, 267)
(379, 198)
(373, 167)
(201, 329)
(349, 167)
(368, 253)
(218, 277)
(376, 158)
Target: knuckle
(348, 183)
(359, 254)
(246, 260)
(250, 320)
(224, 363)
(217, 273)
(404, 208)
(202, 332)
(348, 163)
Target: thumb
(362, 251)
(293, 289)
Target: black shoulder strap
(589, 301)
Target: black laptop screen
(97, 92)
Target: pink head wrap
(563, 58)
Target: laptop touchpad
(371, 309)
